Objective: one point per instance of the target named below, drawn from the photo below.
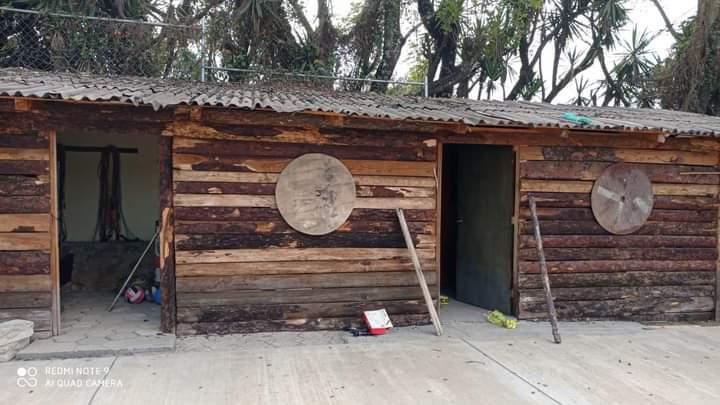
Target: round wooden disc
(622, 199)
(315, 194)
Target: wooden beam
(73, 148)
(168, 307)
(54, 236)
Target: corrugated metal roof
(162, 93)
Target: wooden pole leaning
(419, 272)
(544, 271)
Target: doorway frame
(515, 294)
(168, 309)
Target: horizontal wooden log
(24, 223)
(674, 317)
(674, 254)
(298, 267)
(591, 227)
(610, 241)
(296, 240)
(267, 165)
(16, 300)
(9, 205)
(617, 293)
(32, 283)
(241, 313)
(15, 241)
(29, 141)
(604, 266)
(586, 214)
(243, 177)
(11, 185)
(300, 296)
(292, 254)
(618, 309)
(39, 317)
(624, 279)
(577, 186)
(24, 154)
(582, 200)
(278, 227)
(268, 201)
(15, 263)
(564, 153)
(190, 187)
(287, 281)
(269, 214)
(575, 170)
(205, 328)
(293, 150)
(24, 167)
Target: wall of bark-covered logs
(664, 271)
(25, 225)
(240, 268)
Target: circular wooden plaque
(622, 199)
(315, 194)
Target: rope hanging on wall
(111, 223)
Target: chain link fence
(107, 46)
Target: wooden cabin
(462, 170)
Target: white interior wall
(140, 183)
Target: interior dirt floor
(473, 363)
(88, 329)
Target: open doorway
(477, 231)
(108, 205)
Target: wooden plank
(590, 227)
(616, 293)
(33, 283)
(289, 281)
(269, 165)
(604, 266)
(573, 186)
(605, 154)
(630, 241)
(24, 204)
(24, 222)
(585, 214)
(244, 177)
(24, 154)
(295, 240)
(298, 267)
(17, 263)
(16, 241)
(28, 141)
(268, 201)
(12, 185)
(54, 235)
(582, 200)
(168, 305)
(19, 300)
(300, 324)
(292, 254)
(298, 296)
(217, 147)
(241, 313)
(40, 317)
(622, 308)
(269, 214)
(199, 187)
(567, 254)
(24, 167)
(279, 227)
(577, 170)
(623, 279)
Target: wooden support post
(544, 271)
(419, 272)
(54, 235)
(168, 309)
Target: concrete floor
(88, 330)
(474, 363)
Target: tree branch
(665, 18)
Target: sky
(643, 14)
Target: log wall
(240, 268)
(25, 225)
(664, 271)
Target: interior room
(108, 204)
(477, 231)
